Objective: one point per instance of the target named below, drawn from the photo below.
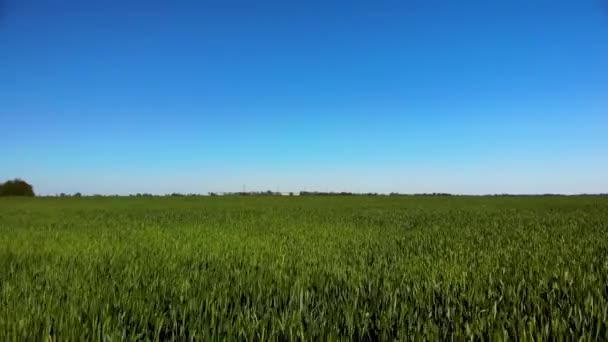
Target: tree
(16, 187)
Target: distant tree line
(16, 187)
(422, 194)
(19, 187)
(331, 193)
(271, 193)
(249, 193)
(317, 193)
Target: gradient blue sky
(409, 96)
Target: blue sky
(409, 96)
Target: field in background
(303, 267)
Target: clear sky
(410, 96)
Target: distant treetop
(16, 187)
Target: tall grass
(268, 268)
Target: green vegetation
(16, 187)
(314, 268)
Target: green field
(313, 268)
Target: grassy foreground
(314, 268)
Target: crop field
(304, 268)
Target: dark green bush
(16, 187)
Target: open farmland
(314, 268)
